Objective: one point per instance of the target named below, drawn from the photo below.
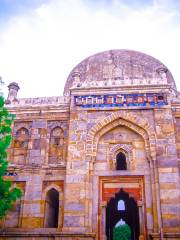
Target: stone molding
(166, 236)
(51, 186)
(135, 123)
(18, 125)
(124, 148)
(43, 232)
(126, 116)
(39, 101)
(53, 124)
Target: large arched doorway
(122, 207)
(51, 209)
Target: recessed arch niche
(121, 163)
(51, 208)
(120, 148)
(20, 145)
(56, 145)
(108, 139)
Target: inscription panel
(121, 100)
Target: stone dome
(121, 68)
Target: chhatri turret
(12, 94)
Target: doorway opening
(51, 209)
(122, 208)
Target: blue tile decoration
(121, 100)
(11, 174)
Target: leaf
(122, 232)
(8, 194)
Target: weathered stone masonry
(64, 151)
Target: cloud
(40, 45)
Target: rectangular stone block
(75, 178)
(81, 125)
(171, 149)
(171, 223)
(32, 222)
(101, 157)
(19, 159)
(169, 194)
(33, 193)
(36, 144)
(39, 124)
(169, 186)
(34, 153)
(31, 209)
(79, 165)
(36, 160)
(72, 206)
(168, 177)
(19, 151)
(167, 161)
(170, 208)
(138, 145)
(73, 221)
(101, 166)
(140, 154)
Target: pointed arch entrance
(121, 199)
(122, 208)
(139, 167)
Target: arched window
(121, 161)
(56, 145)
(121, 205)
(51, 209)
(21, 141)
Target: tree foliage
(123, 232)
(8, 194)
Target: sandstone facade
(64, 153)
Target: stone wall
(85, 150)
(177, 131)
(168, 169)
(118, 101)
(32, 165)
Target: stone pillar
(76, 174)
(13, 90)
(102, 220)
(141, 219)
(154, 199)
(38, 143)
(166, 171)
(60, 220)
(33, 216)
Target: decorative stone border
(124, 148)
(121, 100)
(135, 123)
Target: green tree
(8, 194)
(123, 232)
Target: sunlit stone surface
(66, 149)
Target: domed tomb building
(103, 155)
